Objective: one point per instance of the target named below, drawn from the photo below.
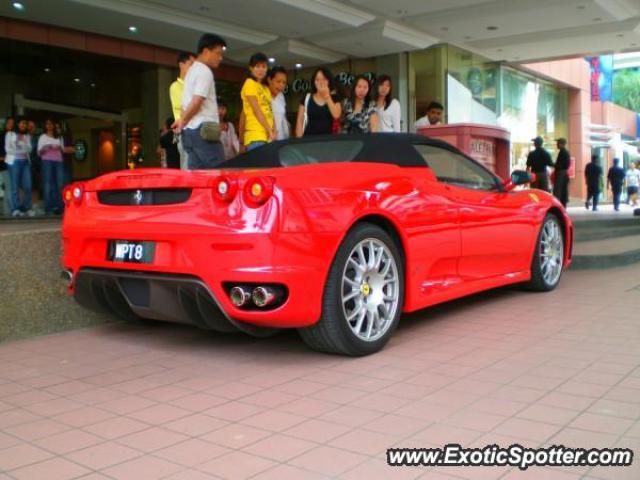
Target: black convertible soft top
(393, 148)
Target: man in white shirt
(433, 117)
(199, 106)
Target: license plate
(131, 251)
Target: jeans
(52, 182)
(201, 154)
(254, 145)
(20, 174)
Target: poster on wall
(601, 79)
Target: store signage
(80, 150)
(483, 151)
(301, 85)
(346, 78)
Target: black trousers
(593, 193)
(617, 193)
(561, 187)
(542, 181)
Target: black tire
(332, 333)
(538, 282)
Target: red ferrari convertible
(335, 236)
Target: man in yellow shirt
(256, 105)
(185, 60)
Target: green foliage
(626, 88)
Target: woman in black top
(321, 108)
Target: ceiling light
(93, 85)
(18, 6)
(47, 69)
(77, 80)
(298, 65)
(133, 29)
(272, 60)
(334, 11)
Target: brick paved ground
(173, 402)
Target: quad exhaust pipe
(240, 296)
(261, 296)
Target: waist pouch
(210, 131)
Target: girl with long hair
(387, 107)
(18, 147)
(51, 150)
(256, 105)
(320, 109)
(359, 111)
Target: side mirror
(519, 177)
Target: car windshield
(319, 152)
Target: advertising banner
(601, 78)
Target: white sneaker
(31, 213)
(16, 213)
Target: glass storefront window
(472, 87)
(531, 107)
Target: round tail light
(258, 190)
(73, 193)
(224, 188)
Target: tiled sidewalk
(167, 401)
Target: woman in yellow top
(256, 105)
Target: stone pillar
(579, 121)
(156, 108)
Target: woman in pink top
(50, 150)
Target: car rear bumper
(189, 279)
(171, 298)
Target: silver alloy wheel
(551, 252)
(370, 289)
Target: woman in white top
(277, 81)
(18, 147)
(388, 108)
(51, 150)
(228, 137)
